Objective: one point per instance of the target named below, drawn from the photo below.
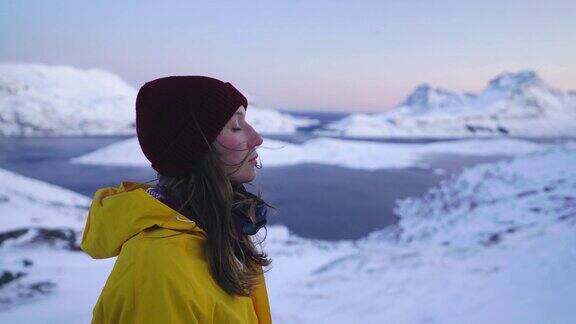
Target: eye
(236, 129)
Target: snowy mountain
(494, 244)
(43, 100)
(426, 99)
(512, 104)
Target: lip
(253, 159)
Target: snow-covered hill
(494, 244)
(38, 222)
(513, 104)
(44, 100)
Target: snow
(509, 259)
(41, 100)
(493, 244)
(39, 224)
(272, 122)
(345, 153)
(426, 98)
(513, 104)
(78, 280)
(39, 204)
(510, 81)
(51, 100)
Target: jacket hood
(118, 214)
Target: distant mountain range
(43, 100)
(512, 104)
(47, 100)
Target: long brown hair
(206, 196)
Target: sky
(358, 56)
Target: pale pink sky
(319, 55)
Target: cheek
(229, 140)
(231, 143)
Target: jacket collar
(118, 214)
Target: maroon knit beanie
(178, 116)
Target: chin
(247, 177)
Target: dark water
(313, 200)
(330, 202)
(323, 116)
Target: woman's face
(236, 145)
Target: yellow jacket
(160, 275)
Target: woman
(184, 246)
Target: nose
(257, 139)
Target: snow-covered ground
(494, 244)
(40, 224)
(346, 153)
(512, 104)
(48, 100)
(38, 204)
